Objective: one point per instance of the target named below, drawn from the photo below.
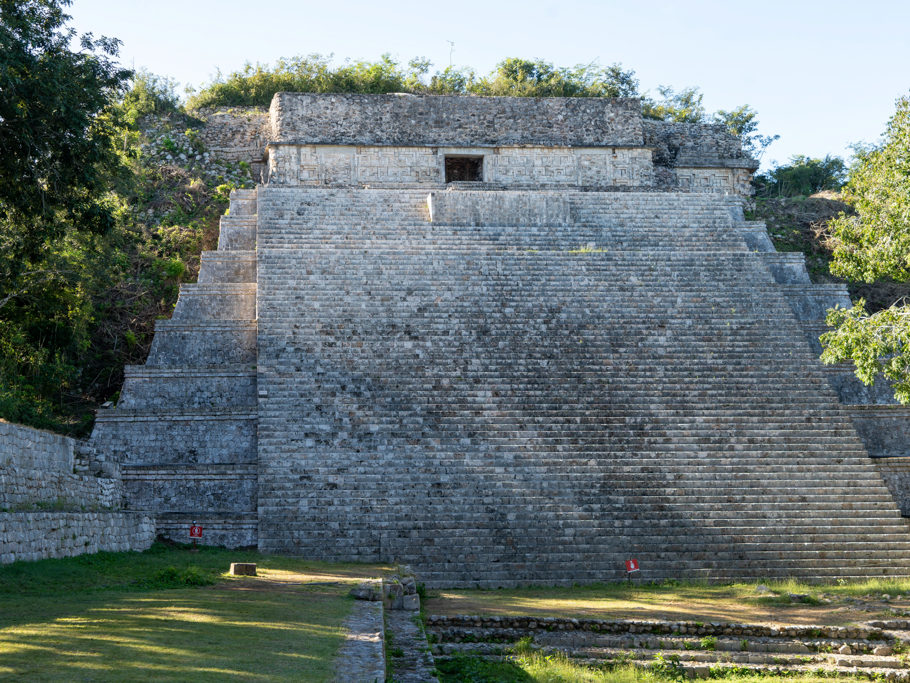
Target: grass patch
(779, 601)
(560, 669)
(171, 614)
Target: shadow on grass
(108, 617)
(205, 634)
(466, 669)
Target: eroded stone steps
(203, 343)
(227, 267)
(170, 388)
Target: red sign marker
(196, 532)
(631, 566)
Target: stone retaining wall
(235, 134)
(37, 467)
(39, 535)
(34, 448)
(896, 473)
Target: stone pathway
(361, 658)
(409, 652)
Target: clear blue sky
(821, 74)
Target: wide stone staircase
(537, 386)
(184, 429)
(688, 649)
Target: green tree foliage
(55, 169)
(526, 78)
(56, 146)
(684, 106)
(743, 123)
(802, 177)
(95, 234)
(255, 85)
(875, 244)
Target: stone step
(168, 389)
(216, 301)
(231, 528)
(203, 343)
(228, 266)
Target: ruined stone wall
(430, 120)
(510, 167)
(696, 157)
(693, 144)
(236, 133)
(716, 180)
(402, 140)
(38, 535)
(36, 471)
(36, 467)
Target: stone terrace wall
(420, 120)
(38, 535)
(896, 473)
(37, 467)
(694, 144)
(35, 449)
(512, 167)
(235, 134)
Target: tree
(802, 176)
(875, 244)
(743, 123)
(56, 145)
(56, 167)
(684, 106)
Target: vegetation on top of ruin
(255, 85)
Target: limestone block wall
(235, 133)
(37, 467)
(693, 144)
(428, 120)
(896, 473)
(511, 167)
(35, 448)
(698, 157)
(39, 535)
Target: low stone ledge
(691, 628)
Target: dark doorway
(464, 168)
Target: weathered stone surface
(527, 379)
(422, 120)
(371, 591)
(38, 535)
(243, 569)
(37, 467)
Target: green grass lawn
(133, 617)
(830, 604)
(537, 668)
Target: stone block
(243, 569)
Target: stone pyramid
(505, 341)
